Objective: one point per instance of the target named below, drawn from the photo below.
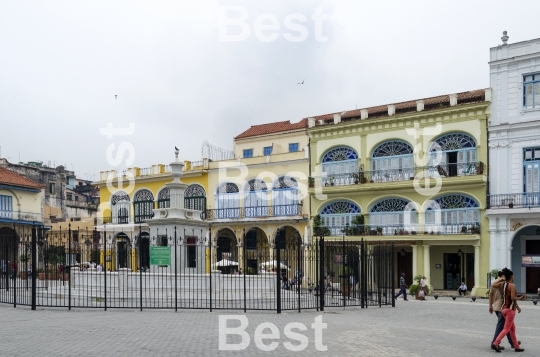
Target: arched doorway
(227, 250)
(257, 251)
(338, 164)
(289, 241)
(525, 258)
(457, 155)
(144, 250)
(9, 250)
(123, 251)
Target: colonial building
(20, 210)
(514, 158)
(413, 173)
(261, 194)
(128, 199)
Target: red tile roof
(431, 103)
(8, 177)
(272, 128)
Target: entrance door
(452, 160)
(145, 252)
(532, 274)
(251, 266)
(404, 265)
(452, 271)
(469, 273)
(122, 254)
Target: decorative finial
(504, 38)
(176, 152)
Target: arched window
(337, 215)
(392, 161)
(393, 214)
(255, 199)
(450, 213)
(120, 207)
(338, 164)
(227, 200)
(452, 154)
(164, 198)
(195, 198)
(285, 196)
(143, 204)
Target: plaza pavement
(433, 328)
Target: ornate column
(414, 260)
(427, 264)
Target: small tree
(319, 227)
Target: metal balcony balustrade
(254, 212)
(401, 174)
(400, 229)
(20, 216)
(514, 200)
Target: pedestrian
(422, 294)
(240, 271)
(99, 268)
(285, 282)
(462, 289)
(509, 307)
(402, 288)
(495, 304)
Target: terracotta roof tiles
(10, 178)
(271, 128)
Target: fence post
(362, 279)
(379, 277)
(321, 272)
(365, 273)
(105, 265)
(176, 271)
(298, 265)
(70, 260)
(245, 266)
(34, 265)
(393, 277)
(278, 275)
(209, 258)
(14, 259)
(140, 267)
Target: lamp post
(460, 255)
(320, 233)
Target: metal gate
(92, 269)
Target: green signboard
(160, 255)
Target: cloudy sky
(63, 62)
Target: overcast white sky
(62, 63)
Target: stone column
(414, 260)
(427, 264)
(476, 266)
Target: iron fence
(92, 269)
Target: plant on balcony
(413, 233)
(311, 182)
(406, 233)
(463, 229)
(358, 224)
(318, 227)
(401, 232)
(379, 231)
(362, 177)
(356, 178)
(332, 178)
(372, 232)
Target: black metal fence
(88, 269)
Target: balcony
(514, 200)
(6, 215)
(411, 229)
(403, 174)
(112, 220)
(254, 212)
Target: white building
(514, 160)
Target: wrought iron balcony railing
(402, 174)
(254, 212)
(400, 230)
(21, 216)
(517, 200)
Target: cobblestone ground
(433, 328)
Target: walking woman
(509, 307)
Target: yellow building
(261, 194)
(413, 173)
(128, 199)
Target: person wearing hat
(402, 288)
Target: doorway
(122, 254)
(452, 271)
(452, 161)
(532, 275)
(404, 265)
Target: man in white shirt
(462, 289)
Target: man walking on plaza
(402, 288)
(495, 304)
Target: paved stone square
(433, 328)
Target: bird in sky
(175, 148)
(115, 96)
(302, 81)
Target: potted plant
(356, 178)
(311, 182)
(414, 289)
(362, 177)
(23, 274)
(511, 204)
(401, 232)
(372, 232)
(41, 274)
(463, 229)
(413, 233)
(358, 224)
(406, 233)
(379, 231)
(371, 181)
(332, 178)
(318, 226)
